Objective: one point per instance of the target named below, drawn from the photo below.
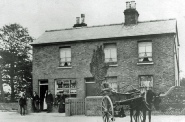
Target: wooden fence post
(67, 107)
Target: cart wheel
(107, 109)
(138, 116)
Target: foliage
(98, 67)
(173, 102)
(15, 54)
(182, 83)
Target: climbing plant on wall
(98, 67)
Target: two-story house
(144, 54)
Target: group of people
(47, 103)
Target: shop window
(146, 82)
(110, 51)
(145, 51)
(66, 85)
(65, 56)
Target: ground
(58, 117)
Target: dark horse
(140, 106)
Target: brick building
(144, 54)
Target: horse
(144, 104)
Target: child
(22, 103)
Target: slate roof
(107, 31)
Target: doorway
(43, 87)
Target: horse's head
(157, 101)
(153, 98)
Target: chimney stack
(78, 24)
(131, 14)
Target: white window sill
(89, 82)
(64, 67)
(146, 63)
(113, 65)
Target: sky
(41, 15)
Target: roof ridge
(157, 20)
(108, 25)
(84, 27)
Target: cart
(114, 105)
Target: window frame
(89, 80)
(152, 77)
(63, 47)
(111, 62)
(145, 62)
(112, 82)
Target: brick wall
(46, 62)
(173, 100)
(93, 106)
(9, 106)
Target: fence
(75, 106)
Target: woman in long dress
(61, 108)
(44, 104)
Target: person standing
(49, 101)
(44, 103)
(22, 103)
(56, 101)
(61, 108)
(35, 102)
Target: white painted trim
(89, 82)
(113, 65)
(64, 67)
(150, 63)
(43, 84)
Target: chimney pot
(127, 5)
(77, 20)
(83, 18)
(133, 5)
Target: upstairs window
(145, 51)
(110, 51)
(65, 56)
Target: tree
(1, 82)
(15, 54)
(182, 83)
(98, 67)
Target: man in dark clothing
(22, 103)
(49, 101)
(35, 102)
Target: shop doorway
(43, 87)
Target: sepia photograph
(92, 60)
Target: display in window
(66, 83)
(73, 92)
(68, 86)
(60, 83)
(73, 84)
(66, 91)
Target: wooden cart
(114, 105)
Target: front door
(42, 90)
